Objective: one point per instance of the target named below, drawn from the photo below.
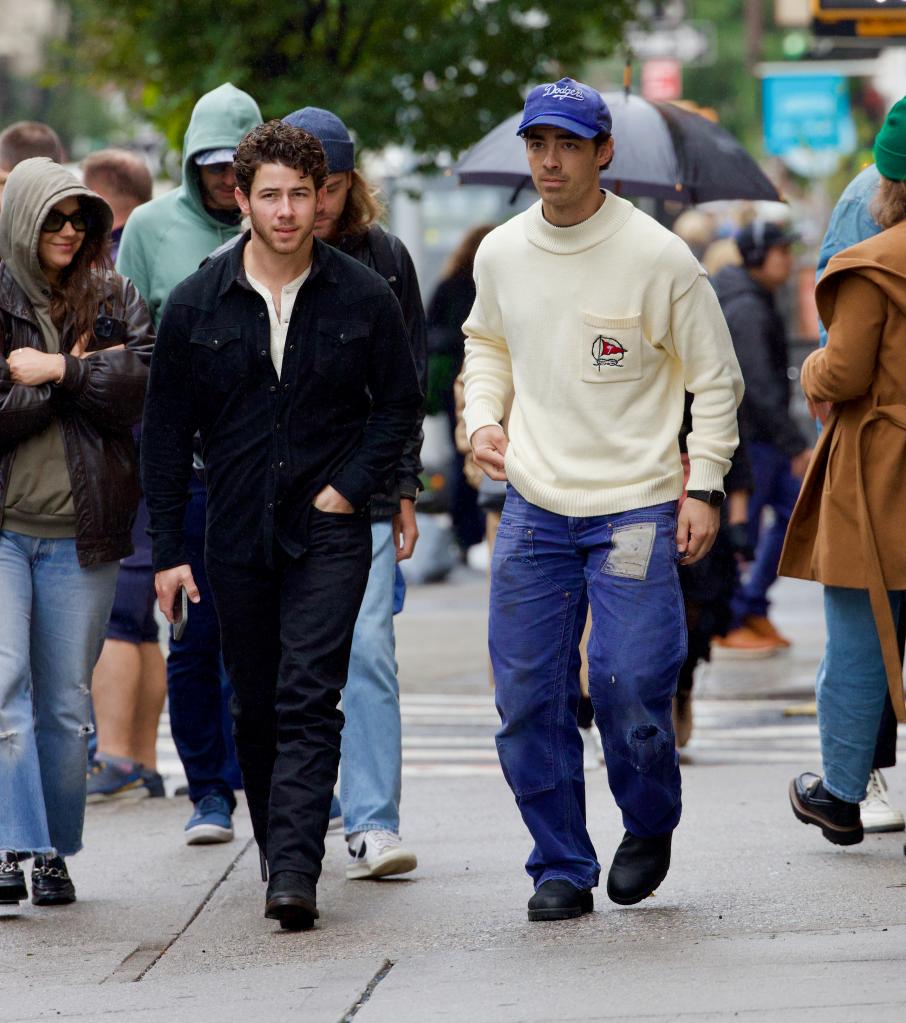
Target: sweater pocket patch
(611, 349)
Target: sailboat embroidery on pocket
(607, 351)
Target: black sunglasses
(56, 221)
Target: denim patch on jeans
(546, 570)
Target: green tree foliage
(436, 74)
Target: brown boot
(744, 642)
(682, 718)
(764, 627)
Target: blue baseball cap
(567, 104)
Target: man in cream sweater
(593, 320)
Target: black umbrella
(662, 151)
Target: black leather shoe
(839, 821)
(50, 882)
(639, 865)
(12, 879)
(557, 899)
(291, 900)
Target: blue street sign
(806, 112)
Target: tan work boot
(744, 642)
(764, 627)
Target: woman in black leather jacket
(75, 347)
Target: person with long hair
(846, 531)
(75, 347)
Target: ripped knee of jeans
(648, 744)
(86, 730)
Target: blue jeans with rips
(53, 619)
(851, 689)
(371, 761)
(546, 570)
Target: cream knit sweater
(593, 333)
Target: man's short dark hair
(24, 139)
(124, 174)
(278, 142)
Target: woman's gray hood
(32, 189)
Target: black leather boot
(50, 882)
(12, 879)
(291, 900)
(557, 899)
(840, 822)
(639, 865)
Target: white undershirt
(279, 324)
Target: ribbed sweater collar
(564, 241)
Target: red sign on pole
(662, 80)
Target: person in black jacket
(371, 777)
(75, 344)
(290, 360)
(777, 451)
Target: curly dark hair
(278, 142)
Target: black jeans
(286, 634)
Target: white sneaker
(875, 810)
(592, 749)
(377, 854)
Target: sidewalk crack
(368, 992)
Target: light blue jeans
(851, 688)
(371, 750)
(53, 619)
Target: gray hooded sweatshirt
(39, 495)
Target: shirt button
(272, 388)
(262, 352)
(260, 316)
(270, 504)
(292, 348)
(282, 464)
(286, 387)
(342, 337)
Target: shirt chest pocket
(611, 349)
(341, 349)
(219, 356)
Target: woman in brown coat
(849, 525)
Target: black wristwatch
(713, 497)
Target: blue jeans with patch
(546, 570)
(53, 619)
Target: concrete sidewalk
(759, 918)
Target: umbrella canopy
(662, 151)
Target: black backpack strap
(385, 258)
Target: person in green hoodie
(163, 242)
(75, 347)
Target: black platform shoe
(557, 899)
(12, 879)
(50, 882)
(840, 822)
(291, 900)
(639, 866)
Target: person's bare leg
(115, 689)
(149, 704)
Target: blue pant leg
(851, 689)
(371, 747)
(70, 610)
(195, 673)
(537, 614)
(23, 820)
(635, 652)
(775, 487)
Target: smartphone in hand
(180, 613)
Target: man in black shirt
(291, 360)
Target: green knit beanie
(890, 145)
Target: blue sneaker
(211, 822)
(115, 778)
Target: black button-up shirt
(346, 402)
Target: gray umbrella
(661, 151)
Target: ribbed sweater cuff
(705, 475)
(478, 415)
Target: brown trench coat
(849, 524)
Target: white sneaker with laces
(875, 810)
(378, 854)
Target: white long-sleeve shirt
(595, 331)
